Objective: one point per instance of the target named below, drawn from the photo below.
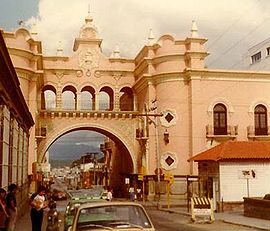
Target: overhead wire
(214, 41)
(244, 37)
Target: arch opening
(110, 159)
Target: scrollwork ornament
(79, 73)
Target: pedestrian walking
(109, 194)
(38, 204)
(11, 207)
(131, 192)
(3, 211)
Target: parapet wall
(257, 207)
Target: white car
(114, 215)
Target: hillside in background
(60, 163)
(70, 151)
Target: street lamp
(166, 137)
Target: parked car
(92, 193)
(115, 215)
(58, 195)
(72, 207)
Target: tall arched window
(220, 119)
(260, 116)
(88, 98)
(126, 99)
(106, 99)
(69, 98)
(48, 97)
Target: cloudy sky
(230, 26)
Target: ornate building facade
(16, 122)
(160, 108)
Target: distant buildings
(258, 57)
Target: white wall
(233, 186)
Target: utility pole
(154, 114)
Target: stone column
(116, 106)
(59, 98)
(97, 101)
(78, 103)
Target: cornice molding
(213, 74)
(24, 53)
(27, 73)
(156, 79)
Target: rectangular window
(268, 51)
(4, 146)
(257, 57)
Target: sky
(230, 26)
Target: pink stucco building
(159, 108)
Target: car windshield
(94, 193)
(114, 216)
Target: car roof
(107, 203)
(84, 200)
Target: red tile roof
(232, 150)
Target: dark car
(58, 195)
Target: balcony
(258, 134)
(231, 133)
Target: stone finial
(151, 37)
(116, 52)
(194, 30)
(59, 51)
(34, 30)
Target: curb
(248, 226)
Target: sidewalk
(24, 222)
(232, 217)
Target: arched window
(220, 119)
(106, 99)
(69, 98)
(87, 98)
(126, 99)
(260, 116)
(48, 97)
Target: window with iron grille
(220, 119)
(260, 116)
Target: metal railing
(232, 131)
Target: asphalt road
(165, 221)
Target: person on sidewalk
(11, 207)
(131, 192)
(38, 204)
(109, 194)
(3, 211)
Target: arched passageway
(114, 165)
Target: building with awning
(235, 169)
